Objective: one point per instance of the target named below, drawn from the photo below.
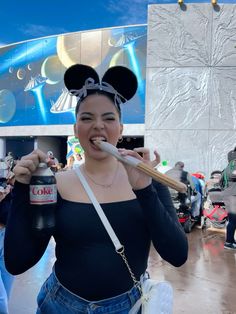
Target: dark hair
(118, 83)
(179, 164)
(232, 154)
(215, 172)
(98, 92)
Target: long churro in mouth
(132, 161)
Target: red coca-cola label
(43, 194)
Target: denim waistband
(63, 295)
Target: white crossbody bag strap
(99, 210)
(118, 246)
(162, 290)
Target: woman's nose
(99, 124)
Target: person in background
(6, 279)
(178, 173)
(89, 276)
(201, 177)
(228, 182)
(60, 166)
(53, 161)
(9, 160)
(78, 160)
(197, 199)
(214, 182)
(70, 162)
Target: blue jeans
(6, 279)
(196, 205)
(54, 298)
(231, 228)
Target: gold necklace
(105, 186)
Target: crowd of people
(88, 273)
(220, 189)
(228, 182)
(7, 180)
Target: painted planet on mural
(7, 105)
(29, 66)
(20, 74)
(11, 69)
(53, 69)
(87, 48)
(131, 57)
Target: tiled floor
(206, 284)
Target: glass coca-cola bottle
(43, 199)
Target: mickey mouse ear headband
(118, 82)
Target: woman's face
(97, 118)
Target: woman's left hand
(138, 179)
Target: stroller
(214, 210)
(182, 203)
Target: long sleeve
(168, 236)
(22, 247)
(5, 205)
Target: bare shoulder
(69, 186)
(64, 178)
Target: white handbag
(156, 297)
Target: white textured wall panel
(191, 84)
(177, 37)
(224, 36)
(223, 91)
(218, 147)
(190, 146)
(178, 98)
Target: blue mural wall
(32, 91)
(191, 1)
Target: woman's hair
(118, 83)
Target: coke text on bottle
(43, 198)
(43, 194)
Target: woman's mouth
(97, 139)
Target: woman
(89, 276)
(228, 183)
(6, 279)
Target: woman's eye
(110, 118)
(85, 118)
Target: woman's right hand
(27, 165)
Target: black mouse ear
(123, 80)
(76, 75)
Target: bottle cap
(42, 165)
